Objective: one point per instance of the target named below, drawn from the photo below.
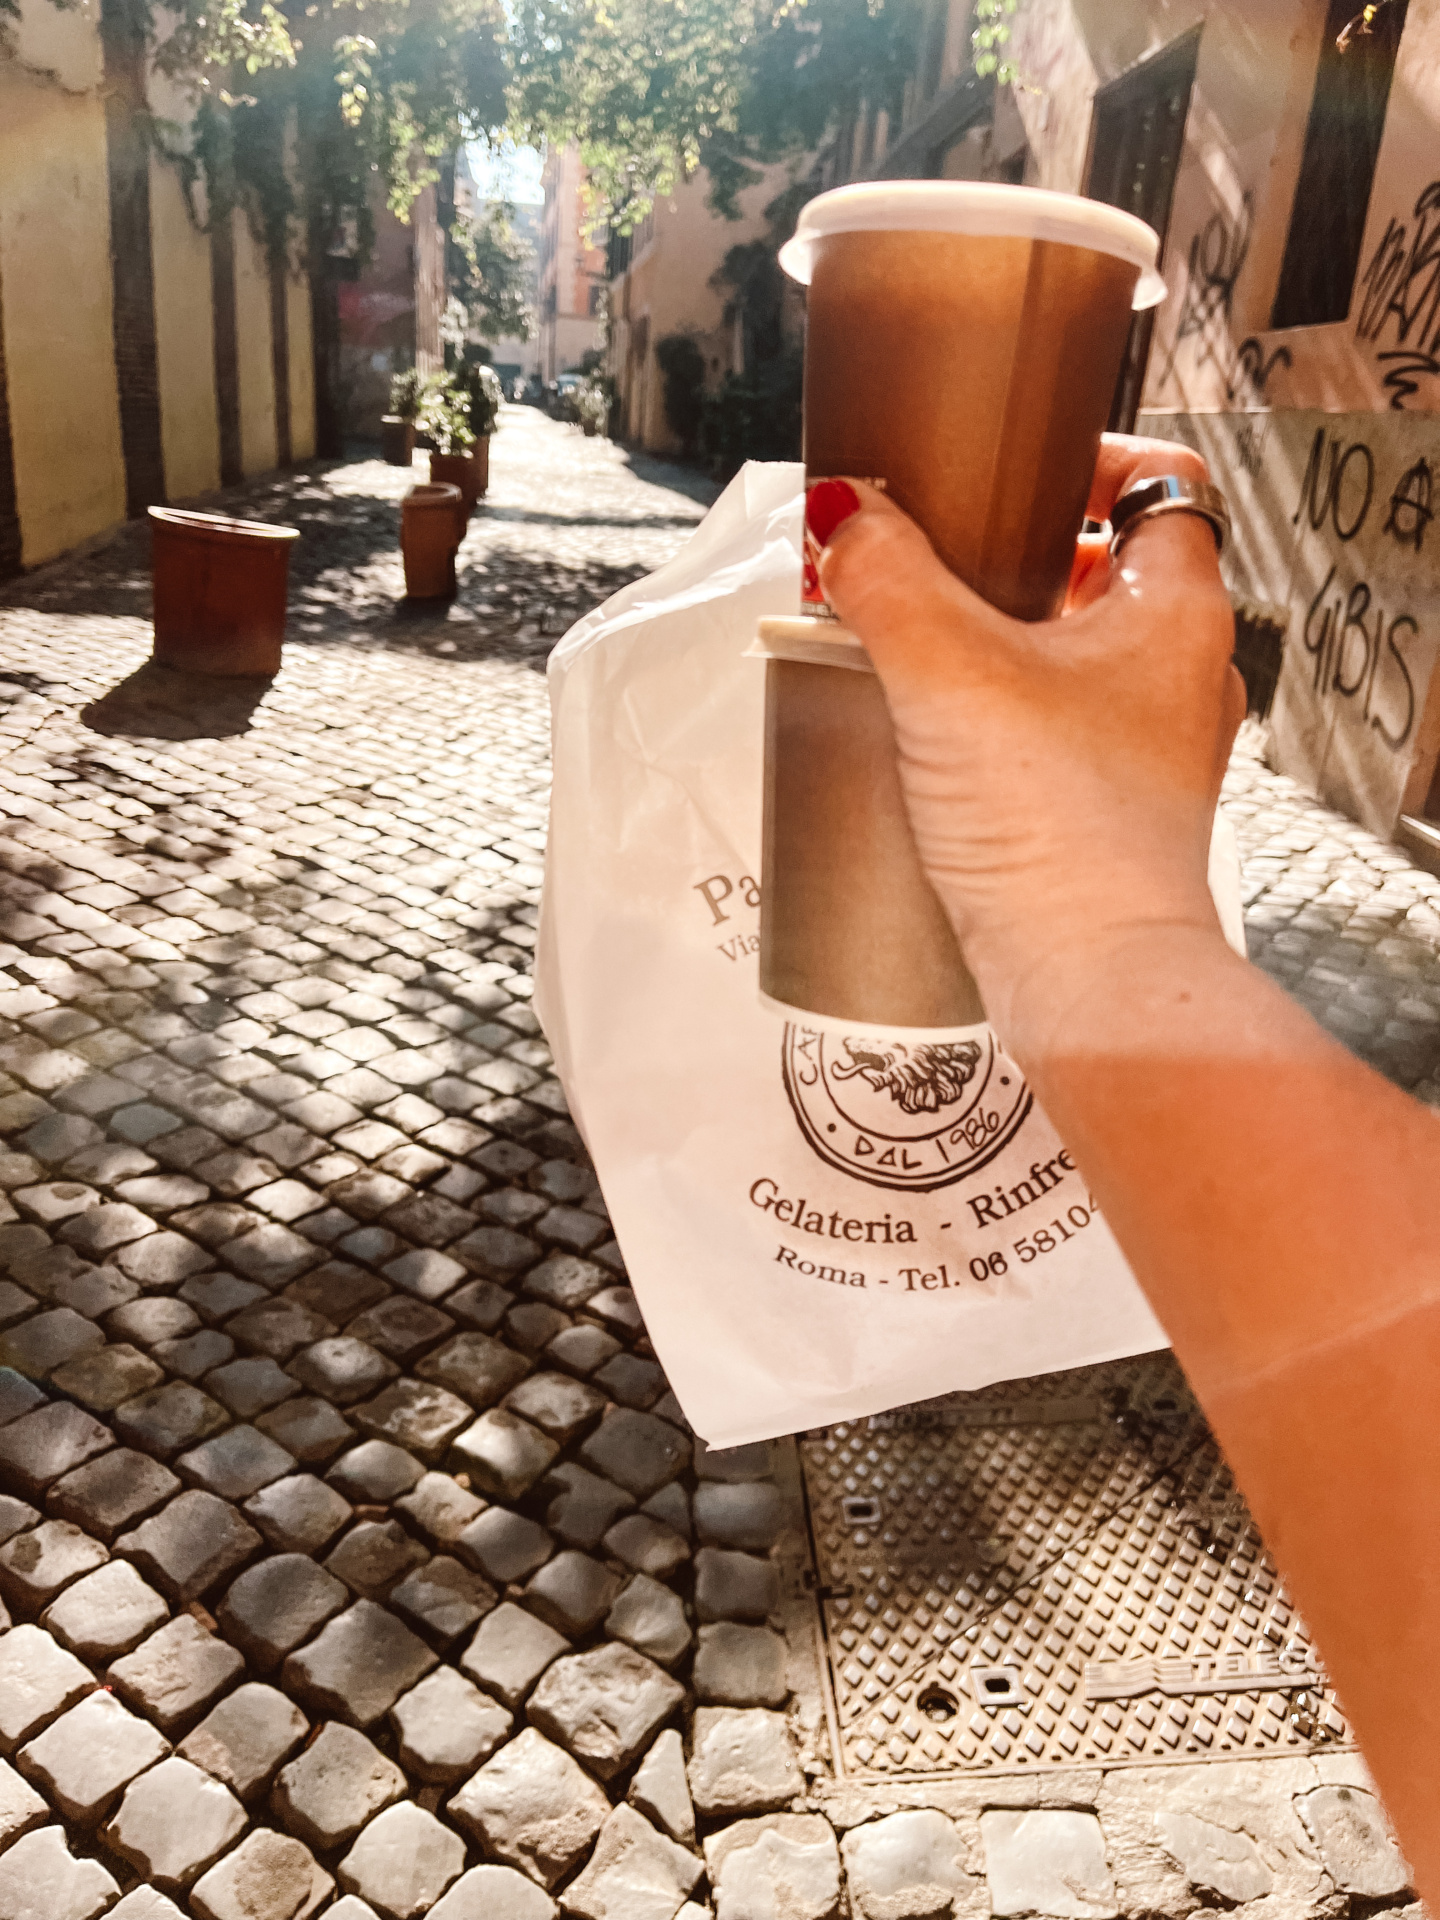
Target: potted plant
(397, 428)
(482, 388)
(445, 418)
(592, 404)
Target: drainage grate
(1052, 1572)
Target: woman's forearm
(1280, 1204)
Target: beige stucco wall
(302, 369)
(257, 368)
(567, 267)
(184, 339)
(1254, 77)
(668, 284)
(54, 263)
(56, 299)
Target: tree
(755, 412)
(652, 89)
(488, 265)
(303, 108)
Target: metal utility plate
(1054, 1572)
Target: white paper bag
(819, 1224)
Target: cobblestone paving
(354, 1549)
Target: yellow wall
(302, 370)
(257, 368)
(56, 300)
(55, 267)
(184, 339)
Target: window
(1139, 132)
(932, 62)
(866, 152)
(1337, 167)
(1135, 148)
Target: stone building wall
(1323, 436)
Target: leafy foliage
(480, 388)
(407, 390)
(487, 265)
(990, 37)
(445, 416)
(651, 89)
(755, 414)
(371, 87)
(460, 407)
(214, 44)
(682, 369)
(594, 398)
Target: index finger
(1125, 458)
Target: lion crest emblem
(911, 1114)
(919, 1079)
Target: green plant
(488, 267)
(990, 37)
(483, 396)
(461, 406)
(682, 366)
(407, 389)
(754, 416)
(304, 112)
(445, 415)
(593, 399)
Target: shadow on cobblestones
(1341, 920)
(335, 1455)
(556, 536)
(164, 703)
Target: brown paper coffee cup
(962, 348)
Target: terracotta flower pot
(432, 522)
(457, 470)
(220, 590)
(397, 440)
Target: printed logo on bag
(912, 1117)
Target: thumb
(885, 581)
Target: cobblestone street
(356, 1554)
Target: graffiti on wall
(1357, 647)
(1213, 265)
(1397, 297)
(1400, 301)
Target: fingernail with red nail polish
(828, 503)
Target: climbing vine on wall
(990, 39)
(303, 108)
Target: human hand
(1061, 776)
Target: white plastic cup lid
(992, 211)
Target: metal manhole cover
(1051, 1572)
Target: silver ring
(1168, 493)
